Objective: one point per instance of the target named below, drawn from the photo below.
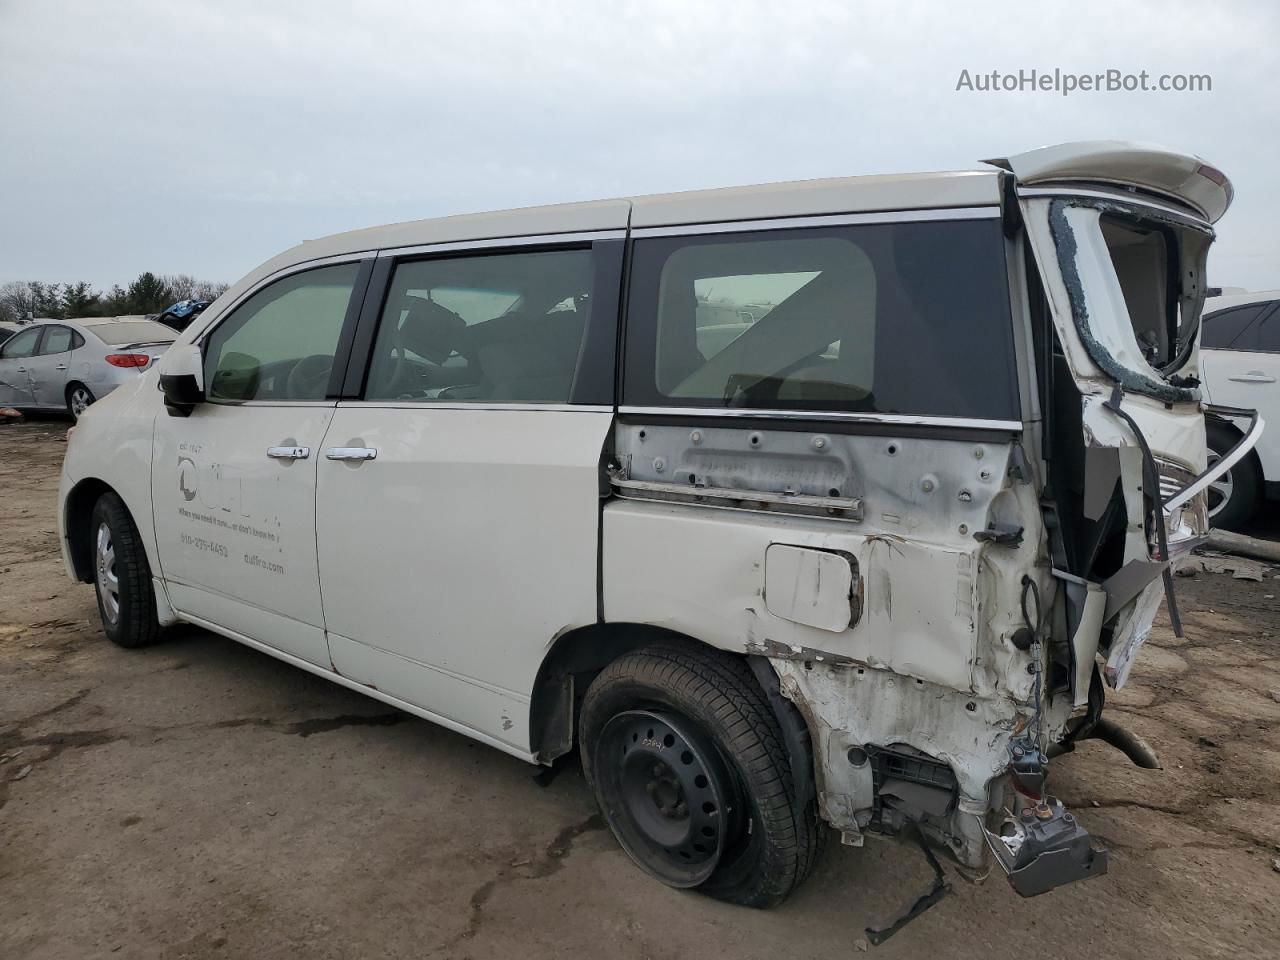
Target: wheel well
(578, 655)
(79, 509)
(1226, 426)
(71, 385)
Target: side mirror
(182, 379)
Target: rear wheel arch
(576, 656)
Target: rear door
(234, 483)
(1245, 371)
(15, 358)
(458, 491)
(47, 370)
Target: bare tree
(181, 285)
(16, 301)
(208, 290)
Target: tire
(79, 399)
(1235, 498)
(121, 575)
(666, 731)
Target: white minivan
(835, 502)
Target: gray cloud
(204, 136)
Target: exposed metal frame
(1119, 195)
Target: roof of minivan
(1117, 162)
(1234, 299)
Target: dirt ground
(198, 799)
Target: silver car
(68, 364)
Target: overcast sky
(204, 136)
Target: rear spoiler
(1182, 177)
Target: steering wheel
(309, 378)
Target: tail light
(128, 359)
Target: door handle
(61, 366)
(288, 453)
(1253, 376)
(351, 453)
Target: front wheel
(690, 772)
(79, 397)
(121, 575)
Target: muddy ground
(198, 799)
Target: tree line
(148, 294)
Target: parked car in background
(68, 364)
(1240, 367)
(179, 315)
(7, 330)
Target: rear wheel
(689, 769)
(79, 397)
(121, 575)
(1234, 497)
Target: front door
(47, 370)
(1247, 374)
(234, 483)
(15, 356)
(458, 509)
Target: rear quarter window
(901, 318)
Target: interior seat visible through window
(500, 328)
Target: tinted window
(502, 328)
(56, 340)
(133, 331)
(20, 344)
(280, 343)
(1263, 336)
(1221, 329)
(908, 318)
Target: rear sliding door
(459, 495)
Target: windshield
(132, 331)
(1135, 280)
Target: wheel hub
(667, 794)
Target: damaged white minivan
(836, 502)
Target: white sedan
(68, 364)
(1240, 365)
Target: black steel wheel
(690, 772)
(667, 795)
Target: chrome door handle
(1253, 376)
(288, 453)
(351, 453)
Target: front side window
(500, 328)
(20, 345)
(280, 343)
(56, 340)
(1221, 330)
(905, 318)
